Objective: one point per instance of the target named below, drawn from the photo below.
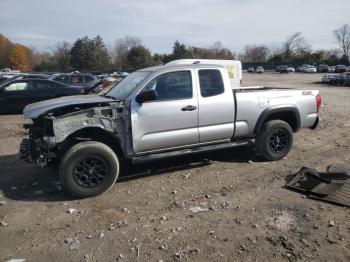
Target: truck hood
(37, 109)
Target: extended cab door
(170, 121)
(216, 105)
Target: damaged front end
(53, 132)
(35, 148)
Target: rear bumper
(315, 124)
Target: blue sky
(158, 23)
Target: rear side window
(88, 79)
(76, 79)
(61, 78)
(211, 83)
(56, 85)
(39, 85)
(172, 86)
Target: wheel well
(286, 116)
(93, 134)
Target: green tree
(100, 56)
(180, 51)
(80, 54)
(139, 57)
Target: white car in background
(310, 69)
(260, 70)
(291, 69)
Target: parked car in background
(85, 81)
(260, 70)
(323, 68)
(332, 69)
(290, 69)
(344, 78)
(16, 94)
(310, 69)
(340, 69)
(284, 70)
(250, 69)
(330, 79)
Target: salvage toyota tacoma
(164, 111)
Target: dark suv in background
(16, 94)
(85, 81)
(323, 68)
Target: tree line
(128, 53)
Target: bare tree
(121, 49)
(61, 56)
(255, 53)
(294, 45)
(342, 34)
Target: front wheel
(275, 140)
(88, 169)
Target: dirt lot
(146, 217)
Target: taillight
(318, 102)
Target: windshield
(122, 89)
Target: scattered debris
(3, 224)
(16, 260)
(74, 245)
(102, 235)
(198, 209)
(72, 211)
(174, 192)
(226, 205)
(3, 202)
(333, 186)
(331, 223)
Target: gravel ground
(246, 214)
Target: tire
(275, 140)
(88, 169)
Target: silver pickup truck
(161, 112)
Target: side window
(211, 83)
(18, 86)
(61, 78)
(88, 79)
(76, 79)
(40, 85)
(172, 86)
(55, 85)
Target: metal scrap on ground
(332, 186)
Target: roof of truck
(180, 66)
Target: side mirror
(146, 96)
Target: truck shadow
(26, 182)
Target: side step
(187, 151)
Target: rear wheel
(275, 140)
(88, 169)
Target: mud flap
(332, 186)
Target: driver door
(170, 121)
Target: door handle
(189, 108)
